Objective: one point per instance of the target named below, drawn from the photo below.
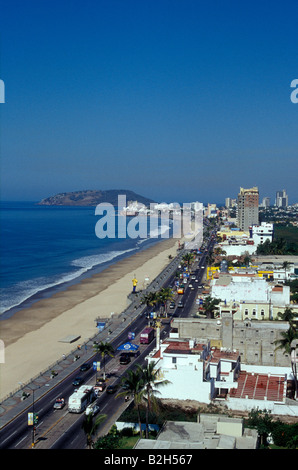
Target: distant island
(93, 198)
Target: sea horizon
(46, 249)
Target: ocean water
(47, 248)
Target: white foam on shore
(14, 296)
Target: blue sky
(176, 100)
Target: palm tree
(133, 388)
(209, 305)
(90, 426)
(103, 349)
(210, 258)
(287, 315)
(285, 266)
(246, 259)
(285, 342)
(164, 295)
(150, 299)
(188, 258)
(150, 378)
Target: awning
(128, 347)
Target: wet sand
(32, 336)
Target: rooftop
(211, 432)
(260, 387)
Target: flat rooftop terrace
(260, 387)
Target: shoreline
(49, 292)
(31, 336)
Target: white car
(92, 409)
(59, 404)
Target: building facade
(248, 208)
(281, 199)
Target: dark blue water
(44, 248)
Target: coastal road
(61, 429)
(73, 438)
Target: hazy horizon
(173, 100)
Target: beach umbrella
(128, 347)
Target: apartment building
(281, 199)
(248, 208)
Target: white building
(194, 370)
(261, 233)
(281, 199)
(245, 287)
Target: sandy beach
(32, 337)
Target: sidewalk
(14, 405)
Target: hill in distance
(93, 197)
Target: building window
(174, 360)
(254, 311)
(246, 311)
(262, 312)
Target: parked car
(172, 305)
(85, 367)
(77, 381)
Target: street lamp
(32, 419)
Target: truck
(81, 398)
(147, 335)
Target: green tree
(209, 305)
(164, 295)
(151, 382)
(150, 299)
(262, 421)
(133, 385)
(287, 315)
(104, 349)
(285, 342)
(112, 440)
(247, 259)
(90, 427)
(188, 258)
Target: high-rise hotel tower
(248, 208)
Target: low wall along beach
(32, 336)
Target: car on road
(92, 409)
(131, 353)
(100, 387)
(77, 381)
(180, 304)
(172, 305)
(124, 359)
(112, 388)
(59, 404)
(85, 367)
